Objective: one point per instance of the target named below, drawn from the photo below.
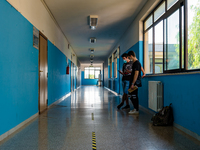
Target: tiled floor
(69, 126)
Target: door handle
(41, 71)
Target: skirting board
(193, 134)
(58, 101)
(111, 91)
(5, 135)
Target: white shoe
(134, 112)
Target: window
(170, 3)
(172, 47)
(110, 59)
(167, 47)
(148, 54)
(115, 64)
(159, 11)
(159, 47)
(92, 72)
(193, 34)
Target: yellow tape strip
(93, 140)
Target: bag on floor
(164, 117)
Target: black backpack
(164, 117)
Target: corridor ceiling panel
(114, 17)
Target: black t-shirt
(127, 66)
(136, 67)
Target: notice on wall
(35, 38)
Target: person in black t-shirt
(135, 80)
(126, 72)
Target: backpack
(164, 117)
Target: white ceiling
(114, 17)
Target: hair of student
(124, 55)
(131, 53)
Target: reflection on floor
(70, 126)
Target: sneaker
(126, 107)
(134, 112)
(120, 105)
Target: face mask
(125, 61)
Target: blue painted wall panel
(58, 80)
(183, 92)
(19, 69)
(87, 81)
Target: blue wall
(183, 92)
(19, 69)
(58, 81)
(87, 81)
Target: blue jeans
(125, 85)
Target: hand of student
(132, 86)
(143, 75)
(128, 71)
(121, 72)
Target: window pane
(86, 74)
(193, 34)
(91, 73)
(159, 11)
(159, 48)
(148, 52)
(172, 40)
(97, 72)
(148, 22)
(170, 3)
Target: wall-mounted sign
(35, 38)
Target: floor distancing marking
(94, 141)
(92, 116)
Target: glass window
(97, 73)
(148, 51)
(172, 40)
(148, 22)
(193, 34)
(92, 72)
(170, 3)
(159, 11)
(159, 47)
(110, 67)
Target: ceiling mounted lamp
(92, 50)
(93, 21)
(91, 60)
(91, 56)
(93, 40)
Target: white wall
(38, 15)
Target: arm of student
(121, 72)
(143, 72)
(135, 78)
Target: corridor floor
(70, 125)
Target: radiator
(155, 95)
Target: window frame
(180, 5)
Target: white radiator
(155, 95)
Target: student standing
(135, 80)
(126, 72)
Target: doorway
(43, 73)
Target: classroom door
(43, 73)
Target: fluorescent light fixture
(93, 21)
(91, 56)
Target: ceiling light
(92, 50)
(91, 56)
(93, 21)
(93, 40)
